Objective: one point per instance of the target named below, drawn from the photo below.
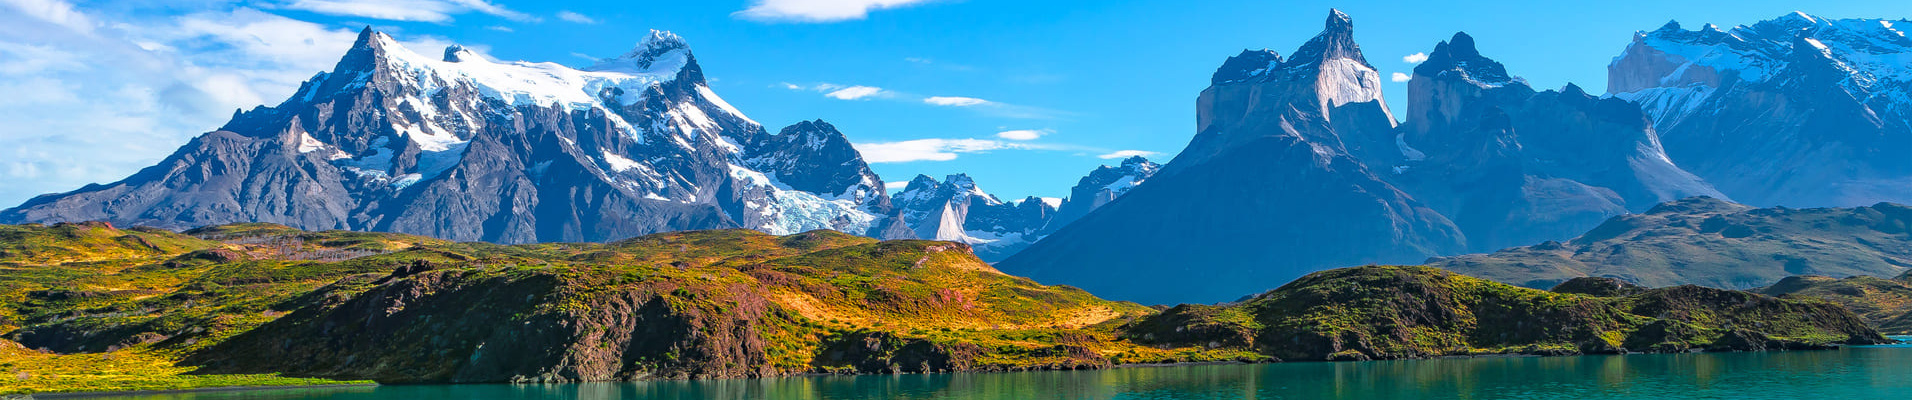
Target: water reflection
(1867, 372)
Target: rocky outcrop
(1598, 286)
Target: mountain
(1884, 303)
(1799, 111)
(1512, 166)
(1709, 242)
(1388, 312)
(955, 209)
(1101, 186)
(1265, 192)
(1298, 166)
(464, 148)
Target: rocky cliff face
(1299, 166)
(1799, 111)
(464, 148)
(1512, 166)
(1708, 242)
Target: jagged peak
(1336, 41)
(458, 53)
(960, 180)
(1459, 55)
(1800, 16)
(1338, 20)
(1462, 46)
(368, 50)
(1245, 66)
(659, 50)
(1573, 90)
(1133, 161)
(1671, 26)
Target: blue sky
(1026, 96)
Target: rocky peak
(1459, 57)
(458, 53)
(813, 156)
(660, 52)
(1248, 65)
(369, 51)
(1336, 41)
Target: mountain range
(1297, 163)
(462, 147)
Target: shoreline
(83, 395)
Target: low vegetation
(90, 307)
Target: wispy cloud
(573, 17)
(954, 101)
(439, 11)
(1022, 134)
(932, 149)
(817, 10)
(987, 107)
(1400, 77)
(1415, 58)
(855, 93)
(1126, 154)
(841, 92)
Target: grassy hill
(1885, 303)
(223, 302)
(1708, 242)
(1392, 312)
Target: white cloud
(575, 17)
(861, 92)
(896, 185)
(125, 92)
(439, 11)
(505, 29)
(817, 10)
(52, 11)
(1022, 134)
(855, 93)
(930, 149)
(1400, 77)
(1127, 154)
(1415, 58)
(954, 101)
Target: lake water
(1868, 372)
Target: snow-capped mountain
(1795, 111)
(465, 148)
(1101, 186)
(955, 209)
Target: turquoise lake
(1866, 372)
